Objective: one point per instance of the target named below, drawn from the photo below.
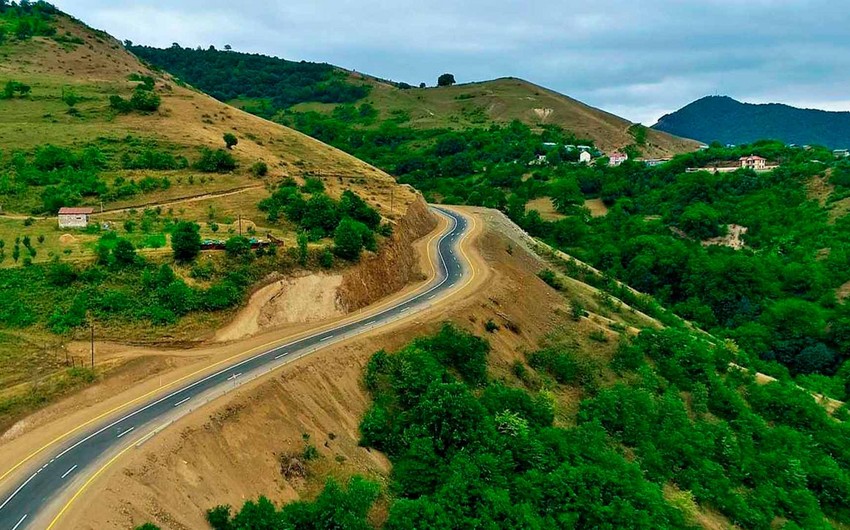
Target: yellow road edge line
(188, 376)
(151, 434)
(87, 484)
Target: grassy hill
(85, 123)
(267, 85)
(507, 99)
(723, 119)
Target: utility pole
(92, 345)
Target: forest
(663, 430)
(228, 75)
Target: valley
(238, 291)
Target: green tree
(237, 246)
(230, 140)
(124, 253)
(186, 241)
(446, 80)
(348, 239)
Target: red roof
(75, 211)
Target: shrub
(230, 140)
(491, 326)
(548, 276)
(215, 161)
(260, 169)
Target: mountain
(723, 119)
(278, 84)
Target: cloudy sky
(639, 59)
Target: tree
(565, 194)
(348, 239)
(237, 246)
(422, 85)
(186, 241)
(230, 140)
(124, 253)
(446, 80)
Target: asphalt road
(32, 499)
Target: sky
(639, 59)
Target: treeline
(227, 75)
(679, 433)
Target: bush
(230, 140)
(260, 169)
(215, 161)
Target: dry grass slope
(507, 99)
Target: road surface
(59, 474)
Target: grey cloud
(639, 59)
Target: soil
(306, 299)
(202, 460)
(733, 239)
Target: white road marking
(234, 376)
(404, 310)
(329, 337)
(22, 486)
(457, 229)
(432, 297)
(19, 522)
(279, 356)
(69, 471)
(125, 432)
(182, 401)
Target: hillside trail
(182, 200)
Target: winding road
(59, 472)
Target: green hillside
(722, 119)
(270, 86)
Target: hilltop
(723, 119)
(169, 171)
(268, 85)
(507, 99)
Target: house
(841, 153)
(654, 162)
(549, 145)
(74, 217)
(616, 158)
(753, 162)
(585, 157)
(584, 148)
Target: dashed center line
(329, 337)
(69, 471)
(125, 432)
(182, 401)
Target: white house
(841, 153)
(74, 217)
(585, 157)
(616, 158)
(753, 162)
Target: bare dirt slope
(229, 451)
